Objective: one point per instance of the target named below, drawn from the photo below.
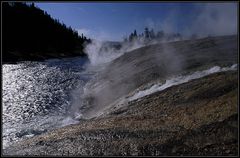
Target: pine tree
(146, 33)
(152, 34)
(135, 33)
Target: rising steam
(98, 94)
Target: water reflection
(37, 95)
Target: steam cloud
(98, 94)
(214, 19)
(100, 52)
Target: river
(36, 96)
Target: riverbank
(195, 118)
(15, 57)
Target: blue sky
(113, 21)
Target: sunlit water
(37, 95)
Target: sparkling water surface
(36, 96)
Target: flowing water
(36, 96)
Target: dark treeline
(149, 35)
(29, 33)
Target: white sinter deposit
(179, 80)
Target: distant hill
(29, 33)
